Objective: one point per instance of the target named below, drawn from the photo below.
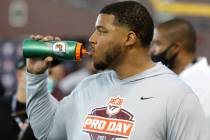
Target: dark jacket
(9, 129)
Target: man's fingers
(49, 59)
(36, 37)
(32, 36)
(57, 38)
(45, 38)
(48, 38)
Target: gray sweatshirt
(152, 105)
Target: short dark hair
(134, 16)
(180, 29)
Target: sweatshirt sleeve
(186, 120)
(42, 108)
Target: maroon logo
(110, 122)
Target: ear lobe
(131, 38)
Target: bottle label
(59, 48)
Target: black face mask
(161, 57)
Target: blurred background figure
(56, 73)
(174, 44)
(13, 118)
(72, 79)
(2, 89)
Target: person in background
(56, 74)
(131, 98)
(174, 44)
(69, 82)
(13, 117)
(2, 89)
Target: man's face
(107, 41)
(164, 49)
(159, 42)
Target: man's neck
(182, 62)
(133, 63)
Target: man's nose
(92, 38)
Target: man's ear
(177, 46)
(131, 39)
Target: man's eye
(102, 31)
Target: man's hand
(40, 65)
